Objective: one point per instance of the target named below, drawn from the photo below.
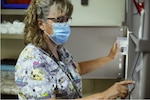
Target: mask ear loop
(47, 33)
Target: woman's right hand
(118, 90)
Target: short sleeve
(31, 76)
(38, 76)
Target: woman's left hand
(114, 51)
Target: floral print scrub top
(38, 76)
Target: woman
(45, 69)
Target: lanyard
(68, 73)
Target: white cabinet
(86, 43)
(98, 13)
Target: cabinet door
(88, 43)
(98, 13)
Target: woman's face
(51, 18)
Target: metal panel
(139, 46)
(145, 72)
(88, 43)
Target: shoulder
(32, 55)
(30, 51)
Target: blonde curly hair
(40, 9)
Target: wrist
(111, 57)
(102, 95)
(105, 95)
(94, 96)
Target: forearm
(88, 66)
(97, 96)
(91, 97)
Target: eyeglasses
(61, 19)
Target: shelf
(11, 36)
(13, 11)
(141, 45)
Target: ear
(41, 24)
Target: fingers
(126, 82)
(123, 92)
(119, 89)
(114, 51)
(115, 45)
(122, 87)
(123, 96)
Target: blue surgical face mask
(61, 33)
